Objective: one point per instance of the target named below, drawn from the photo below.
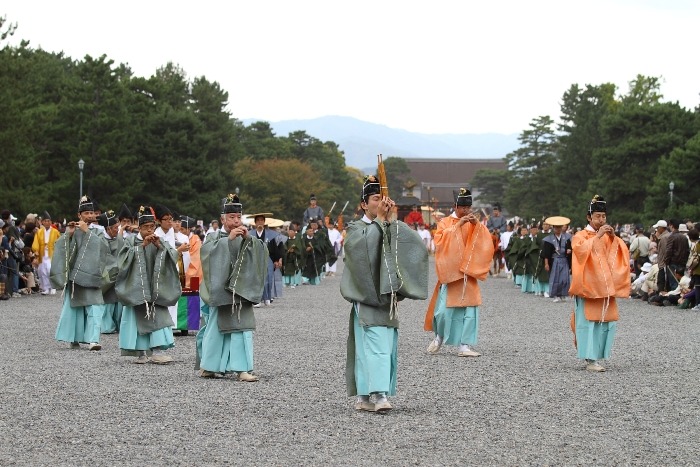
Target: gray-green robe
(148, 281)
(78, 264)
(111, 270)
(376, 277)
(233, 267)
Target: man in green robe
(377, 275)
(234, 264)
(77, 268)
(112, 308)
(147, 284)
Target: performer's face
(147, 229)
(87, 216)
(113, 230)
(597, 220)
(46, 223)
(231, 220)
(557, 229)
(462, 210)
(372, 205)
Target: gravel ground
(527, 400)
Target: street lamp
(237, 191)
(670, 194)
(81, 166)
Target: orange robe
(460, 253)
(600, 272)
(195, 267)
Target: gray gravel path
(527, 400)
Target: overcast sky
(425, 66)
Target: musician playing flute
(463, 255)
(77, 267)
(375, 278)
(234, 263)
(147, 284)
(599, 273)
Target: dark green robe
(314, 260)
(291, 264)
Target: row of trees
(626, 148)
(164, 139)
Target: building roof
(443, 176)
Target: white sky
(425, 66)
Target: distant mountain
(361, 141)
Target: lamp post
(81, 166)
(237, 191)
(671, 185)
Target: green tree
(397, 173)
(280, 186)
(681, 167)
(531, 171)
(635, 139)
(580, 135)
(491, 184)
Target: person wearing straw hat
(234, 263)
(556, 251)
(378, 253)
(463, 255)
(600, 274)
(77, 266)
(43, 246)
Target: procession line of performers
(138, 277)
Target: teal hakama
(225, 352)
(375, 279)
(457, 325)
(376, 357)
(147, 284)
(540, 287)
(79, 324)
(594, 340)
(130, 339)
(77, 268)
(111, 318)
(234, 279)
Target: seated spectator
(672, 297)
(636, 289)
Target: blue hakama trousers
(376, 358)
(225, 352)
(79, 324)
(457, 325)
(594, 340)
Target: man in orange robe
(463, 255)
(600, 272)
